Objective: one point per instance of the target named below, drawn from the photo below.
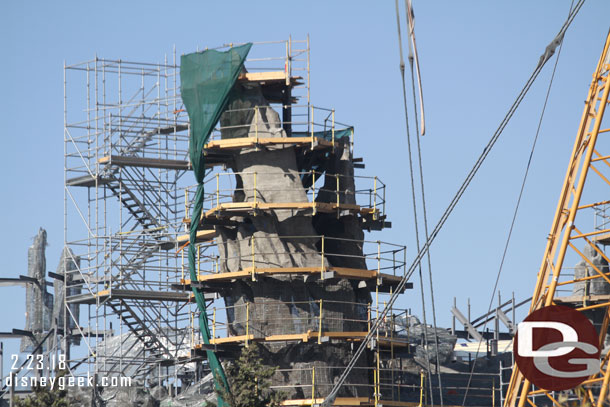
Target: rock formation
(39, 303)
(283, 238)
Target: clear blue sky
(475, 56)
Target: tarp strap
(206, 79)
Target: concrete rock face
(39, 303)
(249, 115)
(597, 286)
(413, 330)
(197, 395)
(286, 238)
(68, 264)
(80, 396)
(127, 396)
(279, 307)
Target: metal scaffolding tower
(127, 206)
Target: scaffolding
(126, 145)
(125, 161)
(128, 197)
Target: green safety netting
(206, 79)
(326, 134)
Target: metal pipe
(253, 267)
(320, 324)
(333, 129)
(247, 323)
(214, 324)
(322, 265)
(313, 385)
(311, 127)
(422, 379)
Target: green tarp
(326, 134)
(206, 79)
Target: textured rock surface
(196, 395)
(292, 307)
(413, 330)
(343, 227)
(80, 396)
(38, 302)
(289, 303)
(68, 264)
(297, 361)
(127, 396)
(585, 269)
(241, 119)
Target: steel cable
(470, 176)
(515, 212)
(413, 198)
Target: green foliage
(250, 381)
(45, 396)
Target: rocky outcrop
(67, 267)
(286, 238)
(127, 396)
(586, 268)
(38, 302)
(413, 330)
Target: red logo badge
(556, 348)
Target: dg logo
(557, 348)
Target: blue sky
(475, 57)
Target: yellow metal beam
(563, 229)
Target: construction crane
(569, 233)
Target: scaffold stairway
(131, 203)
(139, 329)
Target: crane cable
(414, 200)
(401, 285)
(512, 225)
(413, 57)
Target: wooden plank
(319, 207)
(284, 270)
(388, 342)
(287, 337)
(603, 239)
(268, 76)
(353, 336)
(229, 339)
(251, 142)
(236, 206)
(345, 272)
(262, 76)
(340, 335)
(352, 272)
(223, 276)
